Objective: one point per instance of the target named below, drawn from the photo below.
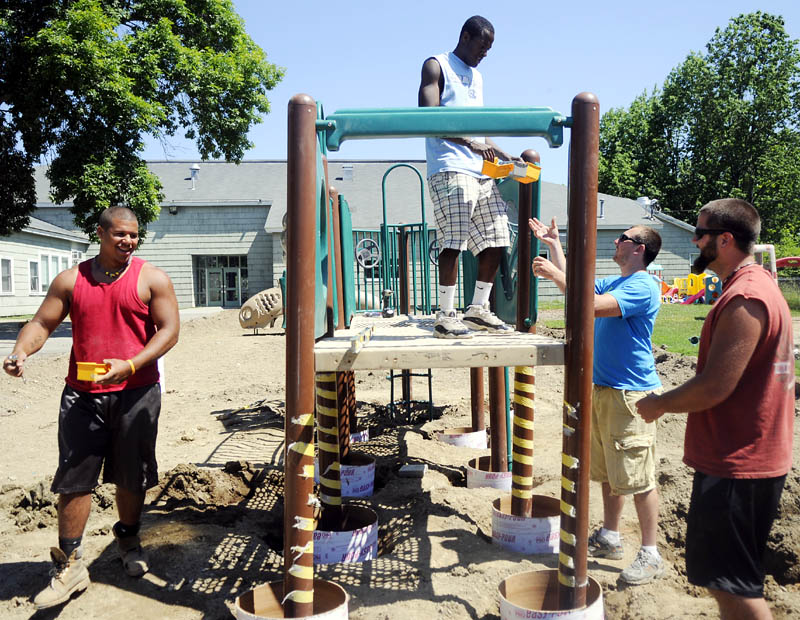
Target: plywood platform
(405, 342)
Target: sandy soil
(214, 524)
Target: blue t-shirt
(623, 352)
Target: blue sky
(368, 54)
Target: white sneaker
(480, 318)
(448, 325)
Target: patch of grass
(553, 304)
(677, 323)
(791, 293)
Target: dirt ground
(214, 524)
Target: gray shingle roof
(264, 182)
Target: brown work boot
(133, 557)
(68, 575)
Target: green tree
(82, 82)
(725, 123)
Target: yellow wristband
(133, 368)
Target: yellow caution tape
(326, 377)
(570, 410)
(568, 538)
(303, 448)
(302, 572)
(566, 560)
(331, 500)
(567, 484)
(525, 370)
(306, 419)
(329, 394)
(299, 596)
(566, 580)
(302, 523)
(525, 481)
(307, 472)
(525, 402)
(569, 461)
(326, 446)
(567, 509)
(525, 459)
(568, 430)
(523, 423)
(526, 444)
(331, 484)
(522, 493)
(528, 388)
(330, 430)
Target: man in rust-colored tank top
(124, 317)
(741, 414)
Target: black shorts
(726, 532)
(113, 430)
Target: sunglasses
(699, 233)
(623, 237)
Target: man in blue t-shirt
(623, 444)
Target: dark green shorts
(115, 431)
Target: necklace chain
(737, 269)
(111, 274)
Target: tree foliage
(82, 82)
(724, 123)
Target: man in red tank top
(124, 315)
(741, 414)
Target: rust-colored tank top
(109, 320)
(749, 434)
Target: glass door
(214, 286)
(232, 297)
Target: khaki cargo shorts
(623, 444)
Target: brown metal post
(301, 207)
(524, 247)
(497, 419)
(522, 442)
(336, 227)
(476, 398)
(581, 251)
(330, 483)
(403, 261)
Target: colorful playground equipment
(326, 342)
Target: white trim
(11, 273)
(45, 264)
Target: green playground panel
(348, 269)
(350, 124)
(505, 284)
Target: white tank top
(463, 86)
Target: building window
(44, 271)
(33, 267)
(6, 276)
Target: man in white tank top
(469, 211)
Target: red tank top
(749, 434)
(109, 320)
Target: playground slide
(693, 298)
(787, 261)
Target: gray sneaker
(448, 325)
(480, 318)
(68, 576)
(600, 547)
(644, 569)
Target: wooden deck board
(405, 342)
